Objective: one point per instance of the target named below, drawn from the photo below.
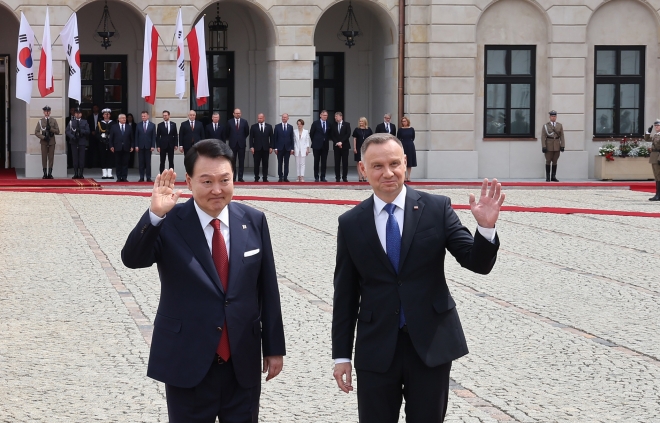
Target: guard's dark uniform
(107, 156)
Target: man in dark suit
(261, 145)
(386, 127)
(237, 131)
(121, 144)
(320, 135)
(389, 278)
(215, 129)
(167, 139)
(93, 153)
(283, 145)
(78, 132)
(340, 134)
(219, 302)
(190, 132)
(145, 144)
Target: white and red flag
(45, 80)
(71, 46)
(149, 61)
(24, 70)
(197, 49)
(180, 86)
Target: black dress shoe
(316, 179)
(337, 180)
(280, 180)
(256, 179)
(149, 180)
(265, 180)
(240, 180)
(345, 180)
(286, 180)
(324, 180)
(141, 180)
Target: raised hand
(163, 197)
(487, 210)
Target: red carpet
(49, 183)
(643, 187)
(7, 174)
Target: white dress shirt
(205, 221)
(381, 216)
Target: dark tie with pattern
(393, 246)
(221, 261)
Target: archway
(12, 110)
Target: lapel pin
(244, 226)
(415, 207)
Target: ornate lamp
(105, 29)
(350, 28)
(218, 32)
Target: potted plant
(623, 160)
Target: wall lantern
(105, 29)
(350, 28)
(218, 32)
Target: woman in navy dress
(406, 134)
(361, 133)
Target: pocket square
(251, 253)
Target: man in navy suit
(145, 144)
(219, 304)
(390, 282)
(386, 127)
(284, 146)
(190, 132)
(320, 135)
(340, 135)
(167, 140)
(261, 145)
(121, 144)
(237, 131)
(215, 129)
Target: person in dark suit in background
(386, 127)
(284, 147)
(94, 151)
(190, 132)
(122, 143)
(320, 135)
(78, 133)
(389, 279)
(238, 130)
(167, 139)
(145, 144)
(340, 135)
(219, 302)
(215, 129)
(261, 145)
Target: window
(329, 83)
(619, 91)
(221, 87)
(509, 95)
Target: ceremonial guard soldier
(107, 156)
(78, 133)
(46, 130)
(654, 159)
(552, 143)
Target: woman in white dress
(302, 143)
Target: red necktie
(221, 261)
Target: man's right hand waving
(164, 197)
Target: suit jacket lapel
(410, 220)
(368, 226)
(237, 241)
(191, 229)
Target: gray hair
(387, 115)
(378, 139)
(119, 117)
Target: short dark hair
(302, 122)
(378, 139)
(211, 148)
(166, 111)
(144, 112)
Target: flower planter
(623, 168)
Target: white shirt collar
(205, 219)
(399, 201)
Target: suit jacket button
(400, 283)
(219, 329)
(227, 303)
(396, 311)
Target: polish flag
(180, 85)
(45, 80)
(24, 71)
(149, 61)
(197, 48)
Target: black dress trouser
(426, 389)
(261, 160)
(320, 157)
(341, 160)
(167, 152)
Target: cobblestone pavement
(565, 328)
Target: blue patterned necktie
(393, 247)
